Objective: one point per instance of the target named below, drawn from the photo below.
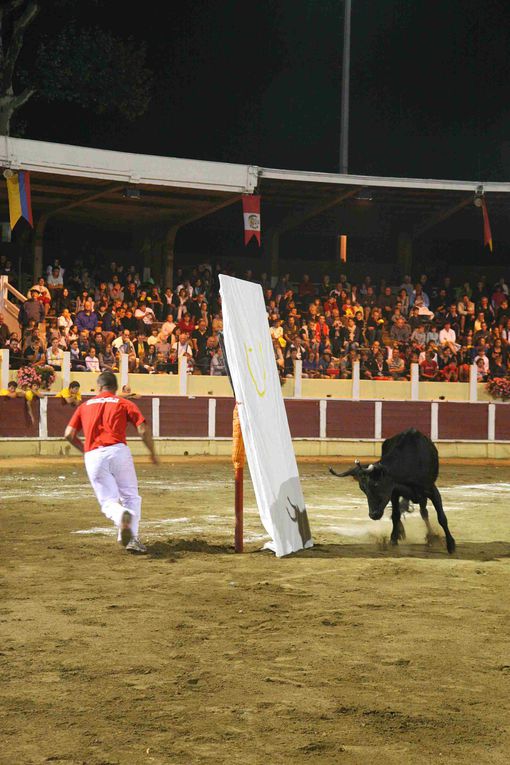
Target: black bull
(407, 470)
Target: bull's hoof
(394, 541)
(450, 545)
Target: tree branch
(16, 41)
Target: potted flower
(499, 387)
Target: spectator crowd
(444, 328)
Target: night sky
(260, 83)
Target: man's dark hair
(74, 384)
(107, 380)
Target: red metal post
(238, 534)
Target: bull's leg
(398, 531)
(425, 515)
(441, 517)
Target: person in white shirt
(65, 322)
(183, 346)
(448, 337)
(145, 314)
(92, 361)
(168, 326)
(55, 355)
(481, 359)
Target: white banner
(262, 415)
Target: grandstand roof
(79, 183)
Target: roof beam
(295, 219)
(441, 216)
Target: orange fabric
(238, 453)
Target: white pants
(112, 474)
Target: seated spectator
(34, 353)
(419, 337)
(55, 355)
(183, 347)
(447, 336)
(107, 362)
(92, 361)
(77, 358)
(432, 335)
(482, 357)
(145, 318)
(168, 326)
(397, 365)
(400, 331)
(65, 322)
(311, 365)
(481, 371)
(186, 323)
(290, 362)
(466, 310)
(218, 367)
(429, 367)
(379, 366)
(87, 318)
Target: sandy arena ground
(353, 652)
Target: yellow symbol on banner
(248, 351)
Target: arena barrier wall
(203, 425)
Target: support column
(274, 253)
(39, 247)
(211, 425)
(4, 371)
(155, 417)
(405, 252)
(323, 413)
(183, 376)
(415, 382)
(355, 381)
(298, 376)
(123, 370)
(169, 253)
(473, 382)
(66, 370)
(43, 417)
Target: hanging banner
(20, 201)
(487, 233)
(251, 215)
(262, 415)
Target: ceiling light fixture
(364, 195)
(132, 193)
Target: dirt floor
(353, 652)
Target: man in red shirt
(108, 460)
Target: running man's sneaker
(135, 546)
(126, 534)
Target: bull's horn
(357, 462)
(369, 468)
(351, 471)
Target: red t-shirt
(104, 419)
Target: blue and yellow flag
(20, 201)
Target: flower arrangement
(47, 377)
(28, 376)
(499, 387)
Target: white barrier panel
(262, 415)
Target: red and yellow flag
(487, 233)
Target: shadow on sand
(172, 547)
(475, 551)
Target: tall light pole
(346, 67)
